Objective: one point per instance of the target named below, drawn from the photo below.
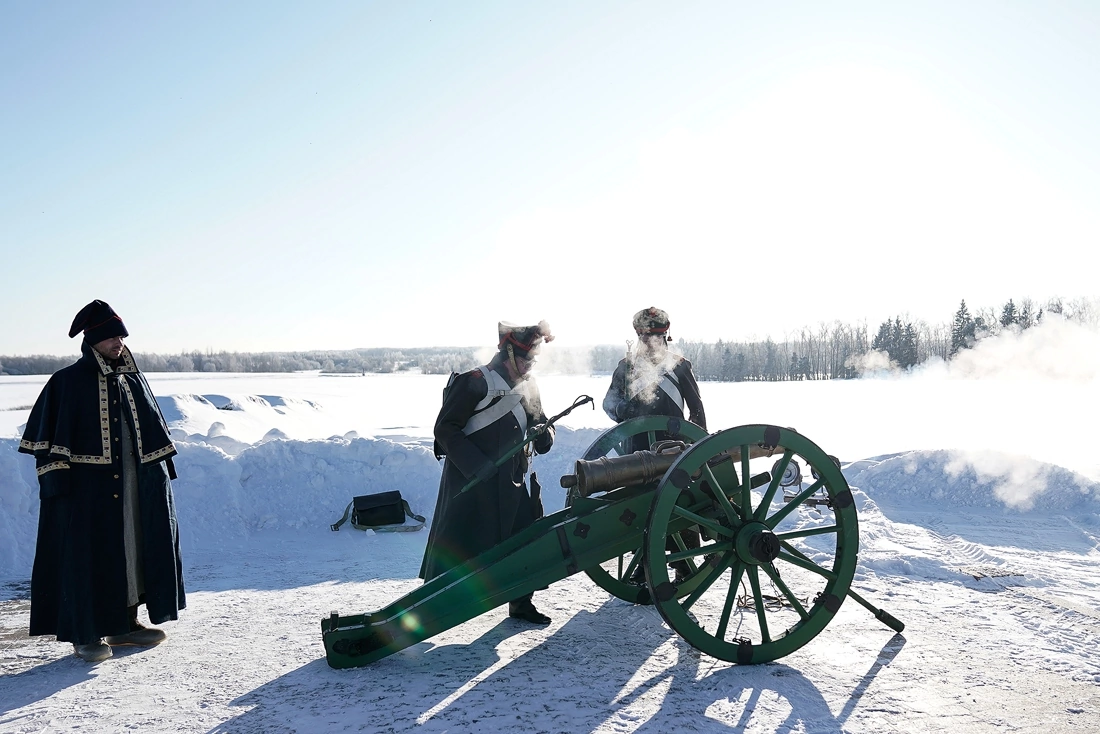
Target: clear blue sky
(267, 175)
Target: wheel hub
(757, 544)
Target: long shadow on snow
(589, 673)
(40, 682)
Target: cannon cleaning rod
(880, 614)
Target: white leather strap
(487, 412)
(671, 389)
(668, 385)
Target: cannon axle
(757, 544)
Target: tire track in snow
(1067, 628)
(974, 559)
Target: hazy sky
(268, 175)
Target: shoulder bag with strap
(384, 512)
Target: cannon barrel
(640, 467)
(643, 467)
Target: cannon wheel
(773, 574)
(614, 576)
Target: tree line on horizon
(827, 352)
(430, 360)
(843, 351)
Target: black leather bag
(381, 512)
(383, 508)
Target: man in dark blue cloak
(107, 536)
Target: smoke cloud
(1055, 349)
(649, 367)
(874, 363)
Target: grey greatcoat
(467, 525)
(664, 389)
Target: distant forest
(827, 352)
(431, 360)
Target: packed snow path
(1009, 652)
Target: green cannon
(775, 558)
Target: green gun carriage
(775, 558)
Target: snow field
(989, 556)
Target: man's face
(652, 346)
(523, 365)
(110, 348)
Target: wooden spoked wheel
(624, 576)
(772, 574)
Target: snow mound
(278, 401)
(177, 407)
(228, 489)
(274, 434)
(221, 402)
(235, 422)
(18, 510)
(979, 479)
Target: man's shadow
(40, 682)
(578, 678)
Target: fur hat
(651, 320)
(98, 321)
(523, 339)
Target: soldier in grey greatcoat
(486, 412)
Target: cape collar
(125, 361)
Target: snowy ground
(979, 515)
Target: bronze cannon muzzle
(631, 470)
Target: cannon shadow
(604, 669)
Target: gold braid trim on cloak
(52, 466)
(127, 366)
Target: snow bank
(977, 479)
(225, 496)
(241, 418)
(18, 511)
(256, 462)
(229, 490)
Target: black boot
(139, 635)
(94, 652)
(523, 608)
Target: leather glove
(544, 440)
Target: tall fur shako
(523, 338)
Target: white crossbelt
(510, 402)
(668, 386)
